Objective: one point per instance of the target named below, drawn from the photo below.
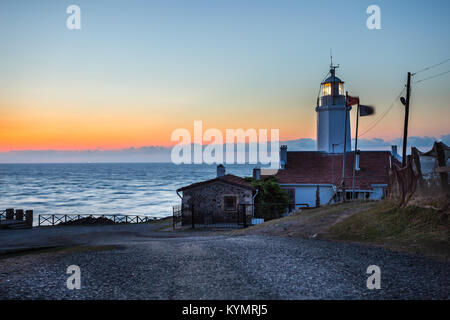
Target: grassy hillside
(309, 223)
(415, 229)
(423, 230)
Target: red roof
(229, 178)
(326, 168)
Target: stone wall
(208, 201)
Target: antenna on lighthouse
(332, 66)
(331, 57)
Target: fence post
(245, 215)
(441, 159)
(19, 214)
(173, 218)
(29, 217)
(9, 214)
(192, 216)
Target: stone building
(219, 200)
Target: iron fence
(270, 211)
(55, 219)
(245, 215)
(177, 217)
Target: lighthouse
(331, 116)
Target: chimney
(257, 173)
(220, 170)
(357, 168)
(394, 151)
(283, 156)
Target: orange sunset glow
(124, 85)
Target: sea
(101, 188)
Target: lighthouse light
(326, 89)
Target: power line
(431, 67)
(432, 77)
(383, 115)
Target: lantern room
(332, 90)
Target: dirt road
(143, 262)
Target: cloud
(422, 143)
(304, 144)
(375, 143)
(446, 139)
(144, 154)
(366, 144)
(162, 154)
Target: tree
(272, 201)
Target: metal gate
(188, 216)
(245, 215)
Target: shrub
(272, 201)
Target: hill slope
(413, 229)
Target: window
(326, 89)
(229, 203)
(341, 89)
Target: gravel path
(224, 267)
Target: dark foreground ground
(144, 262)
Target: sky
(138, 70)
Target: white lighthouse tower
(331, 114)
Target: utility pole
(405, 129)
(356, 151)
